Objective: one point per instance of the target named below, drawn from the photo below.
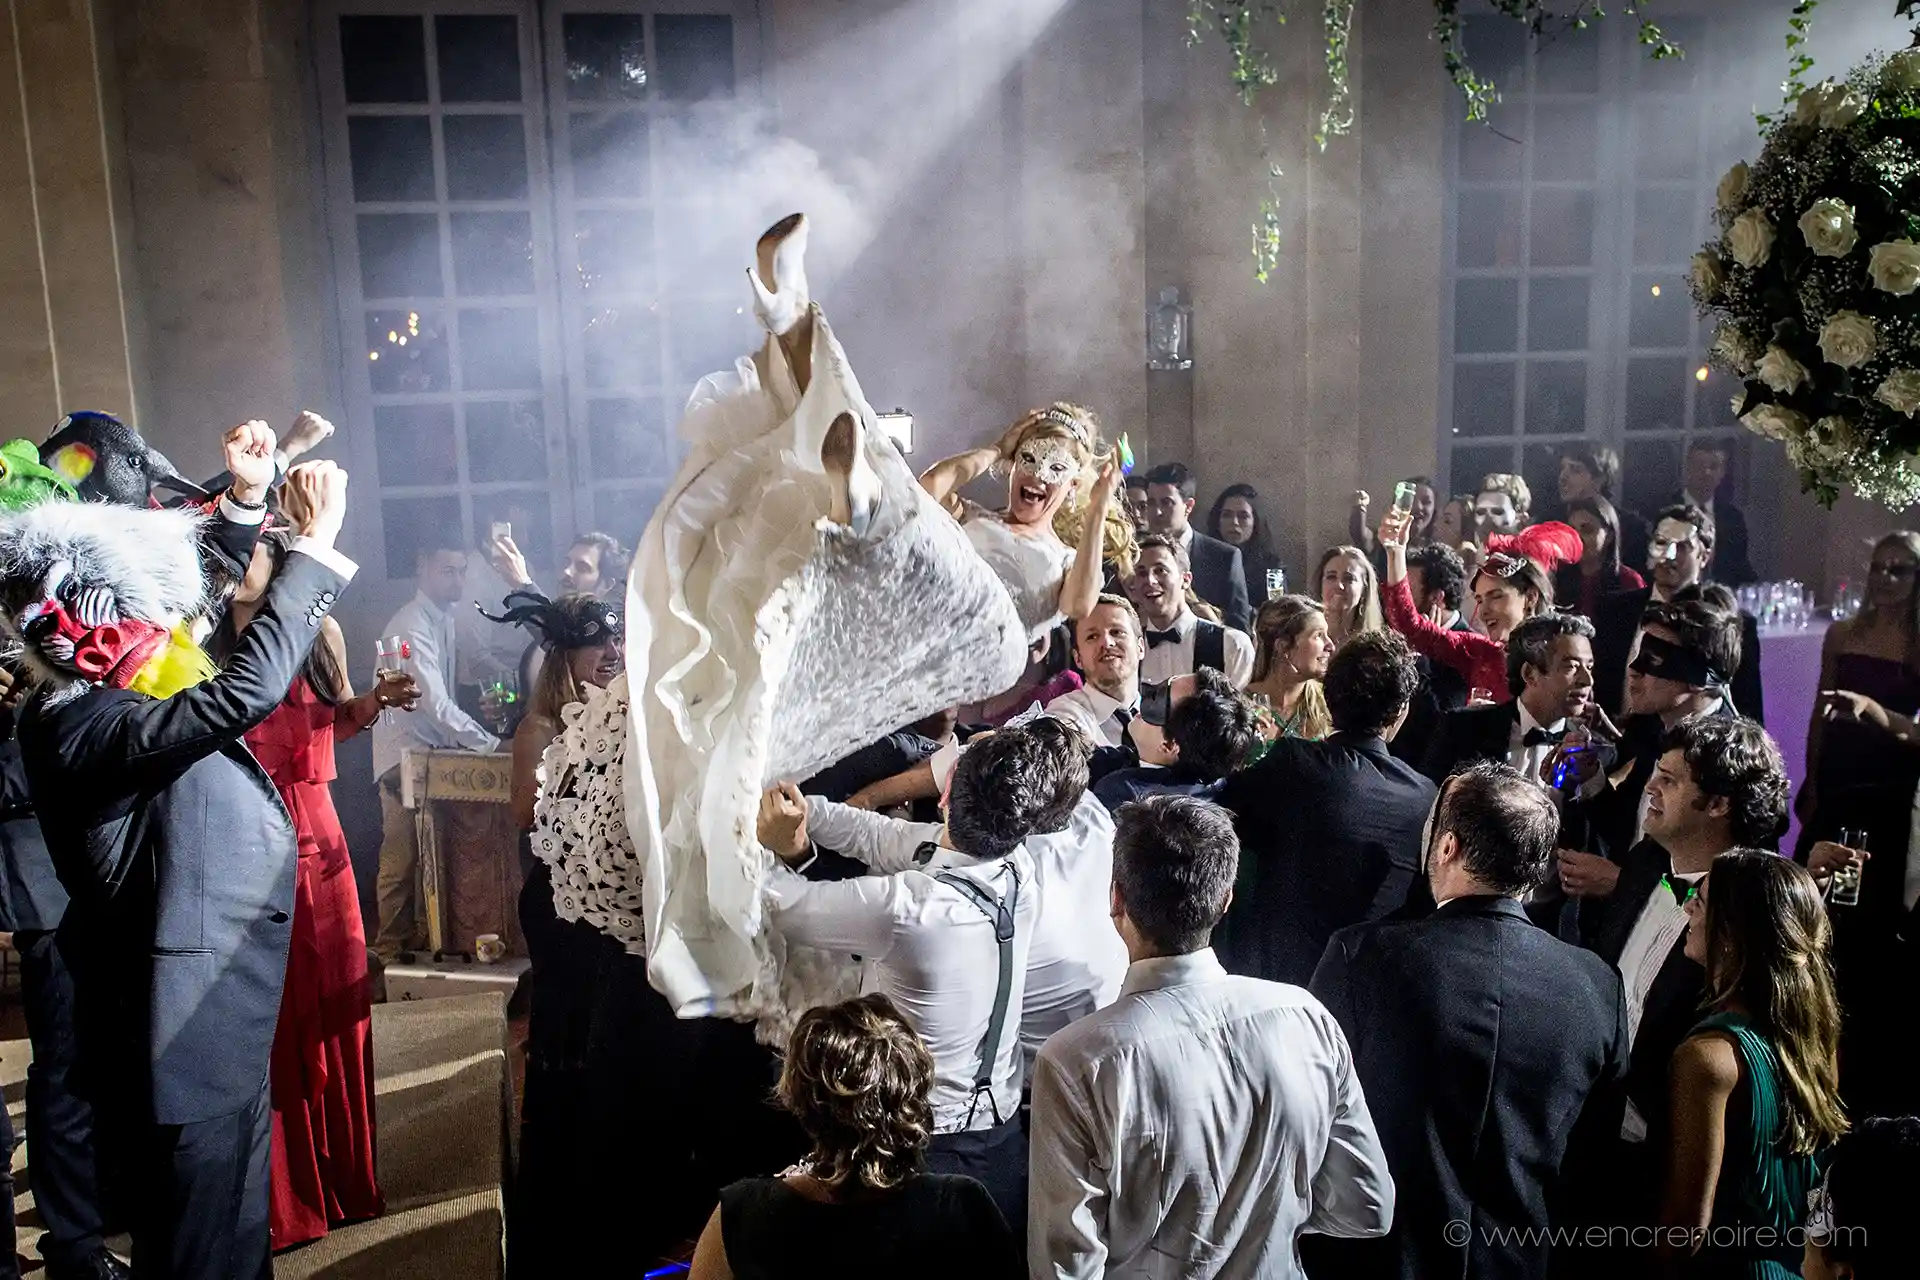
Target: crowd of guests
(1428, 922)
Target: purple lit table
(1790, 676)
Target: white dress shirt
(1195, 1128)
(1095, 712)
(927, 947)
(436, 721)
(1662, 922)
(1528, 759)
(1171, 658)
(1076, 960)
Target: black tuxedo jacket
(1673, 1000)
(1616, 622)
(1485, 1047)
(31, 899)
(1470, 735)
(1220, 579)
(1329, 836)
(179, 858)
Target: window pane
(1556, 397)
(406, 352)
(415, 444)
(1563, 141)
(703, 257)
(709, 338)
(506, 440)
(486, 157)
(1483, 399)
(1562, 227)
(1540, 468)
(613, 253)
(606, 55)
(1657, 388)
(624, 512)
(1487, 227)
(1673, 75)
(1664, 130)
(409, 524)
(1662, 312)
(609, 151)
(1557, 313)
(626, 437)
(531, 516)
(399, 255)
(621, 348)
(384, 59)
(479, 58)
(392, 157)
(1649, 475)
(1486, 315)
(1713, 398)
(693, 55)
(1490, 150)
(500, 350)
(1568, 61)
(492, 253)
(1497, 49)
(1663, 231)
(1474, 462)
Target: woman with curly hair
(1060, 482)
(1756, 1093)
(858, 1080)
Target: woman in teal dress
(1756, 1100)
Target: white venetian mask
(1048, 459)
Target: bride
(1060, 482)
(797, 595)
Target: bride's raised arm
(945, 478)
(1080, 590)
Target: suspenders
(1001, 912)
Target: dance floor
(445, 1092)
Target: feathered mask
(577, 623)
(100, 594)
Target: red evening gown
(322, 1067)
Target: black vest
(1209, 645)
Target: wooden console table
(469, 847)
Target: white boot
(780, 282)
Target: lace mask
(1048, 459)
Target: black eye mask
(1665, 660)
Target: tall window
(1572, 219)
(523, 310)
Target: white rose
(1709, 274)
(1828, 228)
(1733, 187)
(1780, 371)
(1841, 110)
(1836, 438)
(1849, 340)
(1813, 102)
(1895, 267)
(1731, 345)
(1901, 391)
(1775, 422)
(1750, 238)
(1902, 72)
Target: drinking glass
(1276, 583)
(390, 658)
(1844, 891)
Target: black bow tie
(1680, 889)
(1157, 638)
(1538, 737)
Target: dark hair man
(1533, 1032)
(1208, 1064)
(1219, 578)
(1331, 829)
(1200, 734)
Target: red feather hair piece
(1548, 544)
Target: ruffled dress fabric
(764, 642)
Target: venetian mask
(1048, 459)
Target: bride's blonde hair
(1078, 426)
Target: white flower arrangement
(1822, 326)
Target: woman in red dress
(321, 1074)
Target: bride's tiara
(1073, 424)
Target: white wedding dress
(764, 642)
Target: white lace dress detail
(580, 819)
(1031, 568)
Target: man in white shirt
(1719, 785)
(1178, 641)
(1106, 647)
(426, 625)
(1219, 574)
(950, 946)
(1550, 673)
(1203, 1121)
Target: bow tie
(1680, 889)
(1538, 737)
(1157, 638)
